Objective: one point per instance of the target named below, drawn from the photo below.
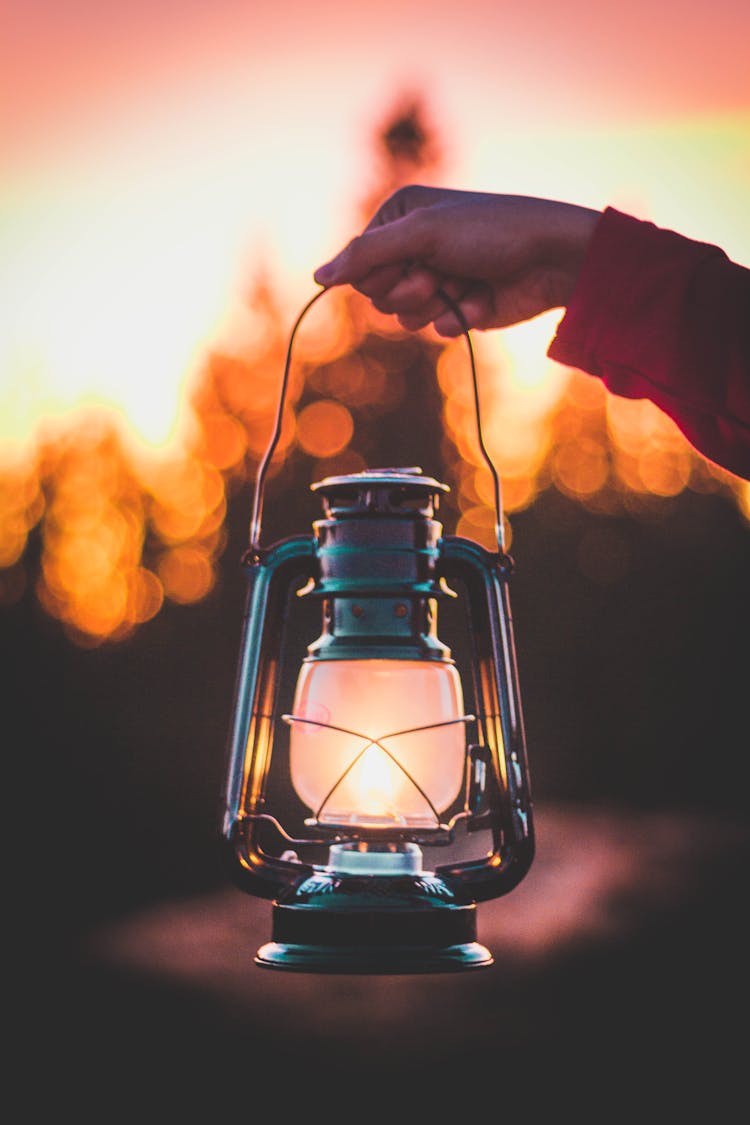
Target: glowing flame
(376, 783)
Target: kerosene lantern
(379, 746)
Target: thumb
(399, 243)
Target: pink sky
(68, 62)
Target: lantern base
(400, 960)
(373, 924)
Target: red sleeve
(655, 315)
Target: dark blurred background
(628, 937)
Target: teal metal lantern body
(377, 788)
(393, 753)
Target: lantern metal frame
(333, 920)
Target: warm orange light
(146, 593)
(580, 468)
(186, 574)
(367, 746)
(138, 386)
(664, 473)
(223, 440)
(324, 428)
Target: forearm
(659, 316)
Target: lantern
(362, 769)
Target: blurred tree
(104, 539)
(407, 147)
(363, 393)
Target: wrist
(573, 239)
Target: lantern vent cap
(380, 491)
(411, 478)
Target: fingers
(402, 261)
(433, 308)
(417, 298)
(410, 290)
(397, 244)
(380, 282)
(475, 306)
(420, 297)
(363, 255)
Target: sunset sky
(156, 154)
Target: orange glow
(664, 474)
(122, 528)
(186, 574)
(21, 507)
(168, 193)
(580, 468)
(97, 511)
(147, 595)
(563, 428)
(743, 498)
(478, 523)
(326, 335)
(188, 500)
(634, 423)
(324, 428)
(223, 440)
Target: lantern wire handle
(263, 466)
(255, 520)
(456, 310)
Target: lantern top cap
(410, 478)
(404, 493)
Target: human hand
(502, 258)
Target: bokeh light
(324, 428)
(146, 342)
